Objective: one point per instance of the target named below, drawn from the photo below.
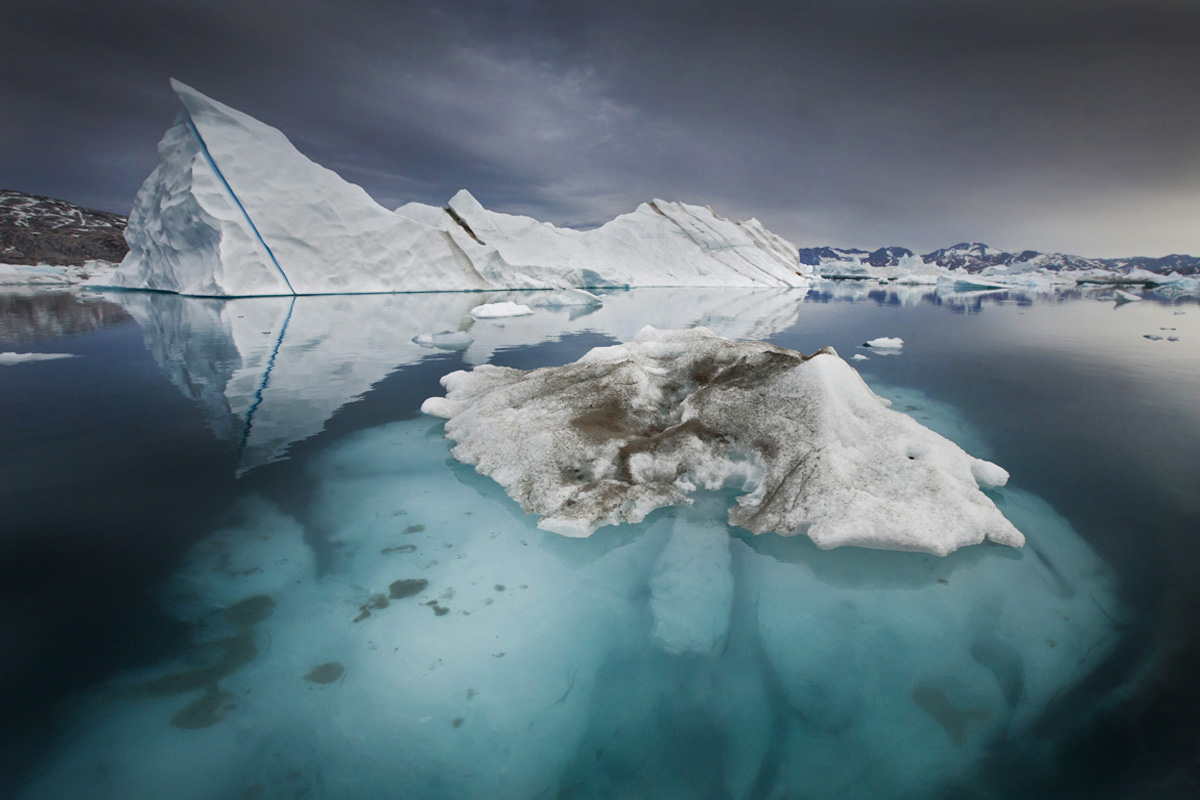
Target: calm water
(236, 561)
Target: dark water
(117, 462)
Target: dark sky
(1053, 125)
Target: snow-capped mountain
(976, 258)
(42, 230)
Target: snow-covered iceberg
(234, 209)
(632, 428)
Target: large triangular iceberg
(234, 209)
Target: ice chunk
(12, 359)
(632, 428)
(1123, 296)
(885, 343)
(496, 310)
(445, 340)
(858, 357)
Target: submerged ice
(632, 428)
(503, 662)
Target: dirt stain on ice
(956, 721)
(210, 709)
(325, 673)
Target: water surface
(237, 560)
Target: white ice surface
(631, 428)
(886, 343)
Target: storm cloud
(1051, 125)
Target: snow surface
(498, 310)
(12, 359)
(632, 428)
(234, 209)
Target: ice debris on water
(885, 343)
(632, 428)
(12, 359)
(445, 340)
(505, 309)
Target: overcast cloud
(1052, 125)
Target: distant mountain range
(42, 230)
(975, 257)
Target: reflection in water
(42, 315)
(270, 371)
(406, 631)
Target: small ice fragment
(859, 357)
(445, 340)
(1123, 296)
(885, 343)
(12, 359)
(1154, 337)
(496, 310)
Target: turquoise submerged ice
(450, 649)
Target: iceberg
(632, 428)
(233, 209)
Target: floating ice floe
(1123, 297)
(885, 343)
(12, 359)
(632, 428)
(859, 357)
(498, 310)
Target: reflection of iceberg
(269, 371)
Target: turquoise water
(239, 563)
